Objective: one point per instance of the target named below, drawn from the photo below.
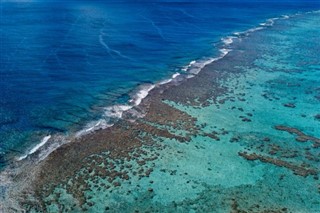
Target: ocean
(205, 106)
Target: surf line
(193, 68)
(34, 149)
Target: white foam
(195, 67)
(116, 111)
(58, 141)
(38, 146)
(93, 126)
(188, 66)
(43, 142)
(237, 33)
(247, 32)
(270, 22)
(255, 29)
(228, 40)
(165, 81)
(22, 157)
(175, 75)
(142, 94)
(199, 65)
(224, 52)
(170, 79)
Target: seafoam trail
(111, 51)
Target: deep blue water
(62, 63)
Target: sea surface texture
(207, 107)
(70, 67)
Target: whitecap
(228, 40)
(93, 126)
(142, 93)
(169, 80)
(116, 111)
(237, 33)
(165, 81)
(255, 29)
(188, 66)
(175, 75)
(224, 52)
(38, 146)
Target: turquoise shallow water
(274, 80)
